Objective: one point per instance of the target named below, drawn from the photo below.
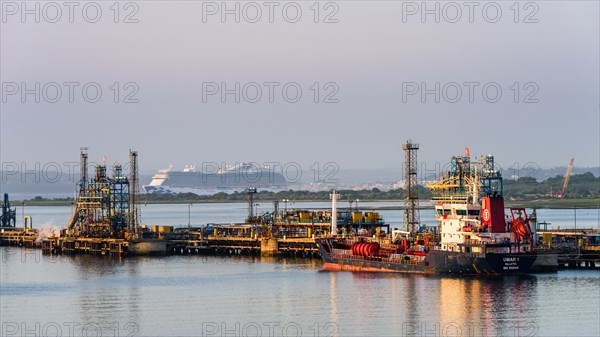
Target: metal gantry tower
(83, 170)
(133, 193)
(411, 198)
(106, 206)
(8, 218)
(490, 178)
(457, 184)
(119, 197)
(251, 191)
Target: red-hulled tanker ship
(474, 235)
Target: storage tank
(304, 217)
(365, 248)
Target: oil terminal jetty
(105, 222)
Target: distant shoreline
(549, 203)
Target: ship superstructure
(232, 178)
(470, 209)
(474, 236)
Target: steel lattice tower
(411, 197)
(251, 191)
(83, 176)
(133, 192)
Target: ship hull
(435, 262)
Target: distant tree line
(525, 188)
(291, 195)
(580, 186)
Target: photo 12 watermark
(467, 329)
(428, 172)
(268, 329)
(489, 12)
(70, 329)
(247, 172)
(270, 92)
(470, 92)
(70, 92)
(56, 12)
(32, 255)
(270, 12)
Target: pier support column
(269, 247)
(334, 197)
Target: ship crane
(566, 180)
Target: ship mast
(476, 184)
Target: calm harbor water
(179, 215)
(254, 296)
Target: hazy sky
(371, 61)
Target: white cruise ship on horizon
(233, 178)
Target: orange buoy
(519, 228)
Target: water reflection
(176, 295)
(476, 305)
(437, 305)
(108, 288)
(333, 291)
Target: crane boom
(566, 180)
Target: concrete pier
(269, 247)
(187, 243)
